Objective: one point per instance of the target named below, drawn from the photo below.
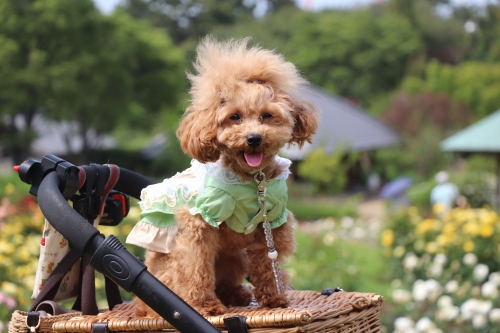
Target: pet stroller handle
(109, 255)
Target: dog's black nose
(254, 140)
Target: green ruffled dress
(216, 194)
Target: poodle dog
(203, 228)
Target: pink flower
(10, 303)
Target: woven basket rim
(307, 308)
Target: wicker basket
(309, 311)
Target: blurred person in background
(445, 194)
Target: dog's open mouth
(253, 159)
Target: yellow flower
(23, 270)
(17, 239)
(425, 226)
(399, 251)
(448, 228)
(471, 228)
(438, 208)
(469, 246)
(446, 238)
(431, 247)
(9, 189)
(6, 247)
(486, 230)
(23, 254)
(490, 217)
(9, 288)
(387, 237)
(413, 211)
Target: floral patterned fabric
(53, 248)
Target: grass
(325, 261)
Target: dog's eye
(267, 115)
(235, 117)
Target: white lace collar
(217, 171)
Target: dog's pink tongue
(253, 159)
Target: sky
(107, 6)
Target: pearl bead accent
(273, 255)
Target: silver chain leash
(260, 178)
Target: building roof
(480, 137)
(343, 125)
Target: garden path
(372, 209)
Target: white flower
(495, 278)
(410, 261)
(495, 315)
(358, 233)
(483, 307)
(401, 296)
(489, 289)
(433, 289)
(328, 224)
(347, 222)
(422, 290)
(470, 259)
(432, 285)
(440, 259)
(329, 238)
(435, 270)
(444, 301)
(480, 272)
(424, 324)
(403, 323)
(479, 321)
(447, 313)
(419, 291)
(396, 283)
(468, 308)
(451, 286)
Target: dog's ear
(198, 133)
(306, 121)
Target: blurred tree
(423, 120)
(483, 25)
(193, 19)
(327, 172)
(473, 84)
(409, 114)
(66, 60)
(273, 31)
(444, 37)
(23, 78)
(356, 54)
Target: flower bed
(446, 270)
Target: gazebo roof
(480, 137)
(343, 125)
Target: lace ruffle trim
(191, 182)
(152, 237)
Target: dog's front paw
(274, 301)
(210, 308)
(239, 295)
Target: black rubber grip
(66, 220)
(132, 183)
